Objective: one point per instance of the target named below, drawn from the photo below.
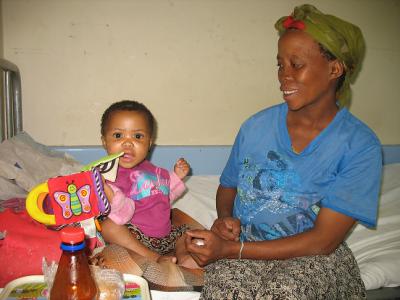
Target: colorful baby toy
(75, 198)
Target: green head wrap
(344, 40)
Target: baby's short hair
(128, 105)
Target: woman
(299, 176)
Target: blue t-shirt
(279, 192)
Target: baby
(142, 192)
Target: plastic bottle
(73, 280)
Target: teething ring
(34, 204)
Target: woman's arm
(225, 198)
(329, 231)
(225, 226)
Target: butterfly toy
(73, 198)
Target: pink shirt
(143, 195)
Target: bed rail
(11, 100)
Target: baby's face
(128, 132)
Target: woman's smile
(289, 92)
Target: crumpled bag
(24, 163)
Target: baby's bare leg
(120, 235)
(183, 257)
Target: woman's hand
(227, 228)
(212, 248)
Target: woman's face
(306, 77)
(128, 132)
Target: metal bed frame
(10, 100)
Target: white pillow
(377, 251)
(199, 200)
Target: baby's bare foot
(188, 262)
(167, 258)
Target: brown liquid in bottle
(73, 280)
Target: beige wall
(202, 66)
(1, 29)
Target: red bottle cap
(72, 235)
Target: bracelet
(241, 249)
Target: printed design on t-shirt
(272, 201)
(146, 184)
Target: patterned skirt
(334, 276)
(162, 245)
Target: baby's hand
(181, 168)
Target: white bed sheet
(377, 251)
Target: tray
(33, 287)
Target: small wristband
(241, 249)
